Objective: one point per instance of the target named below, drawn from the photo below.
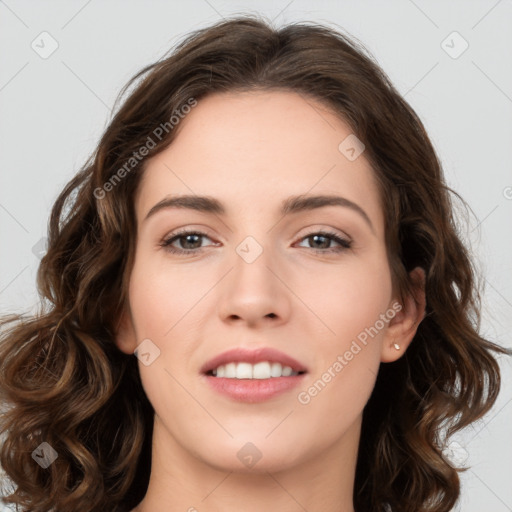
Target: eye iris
(186, 237)
(326, 240)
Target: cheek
(354, 306)
(349, 298)
(162, 296)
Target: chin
(252, 456)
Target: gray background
(53, 110)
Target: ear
(125, 336)
(402, 328)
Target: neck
(181, 481)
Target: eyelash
(166, 243)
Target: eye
(190, 242)
(325, 237)
(190, 238)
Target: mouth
(253, 375)
(261, 370)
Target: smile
(261, 370)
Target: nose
(255, 293)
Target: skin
(251, 151)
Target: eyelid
(312, 229)
(343, 240)
(182, 232)
(318, 228)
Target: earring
(397, 346)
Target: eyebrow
(293, 204)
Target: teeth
(243, 371)
(276, 370)
(262, 370)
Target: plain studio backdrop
(63, 63)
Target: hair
(63, 380)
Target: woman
(264, 223)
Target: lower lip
(253, 390)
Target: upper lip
(245, 355)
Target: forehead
(249, 148)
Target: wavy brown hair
(62, 379)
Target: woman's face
(258, 277)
